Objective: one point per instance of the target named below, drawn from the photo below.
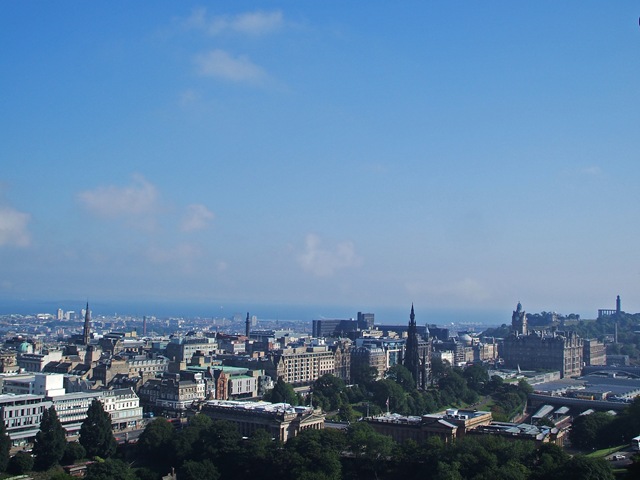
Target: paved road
(622, 462)
(129, 435)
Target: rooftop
(260, 406)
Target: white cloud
(220, 64)
(256, 23)
(250, 23)
(323, 262)
(13, 227)
(111, 201)
(197, 217)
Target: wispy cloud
(592, 170)
(249, 23)
(197, 217)
(111, 201)
(325, 262)
(182, 256)
(220, 64)
(13, 227)
(188, 97)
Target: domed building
(25, 347)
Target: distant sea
(383, 315)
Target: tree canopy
(5, 447)
(50, 441)
(282, 392)
(218, 451)
(96, 435)
(110, 469)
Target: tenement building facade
(304, 365)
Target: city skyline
(461, 157)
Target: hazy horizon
(383, 314)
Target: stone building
(448, 427)
(369, 356)
(174, 392)
(541, 350)
(595, 353)
(303, 365)
(35, 362)
(342, 359)
(280, 420)
(8, 361)
(183, 348)
(133, 366)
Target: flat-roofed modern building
(333, 327)
(281, 420)
(22, 415)
(72, 409)
(45, 384)
(243, 386)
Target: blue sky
(458, 155)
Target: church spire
(86, 333)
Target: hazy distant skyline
(457, 155)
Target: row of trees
(451, 386)
(211, 450)
(50, 447)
